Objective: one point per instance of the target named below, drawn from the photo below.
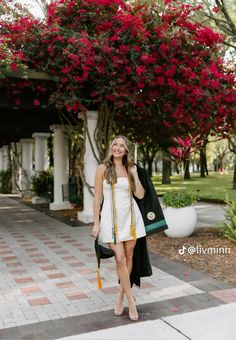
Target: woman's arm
(139, 192)
(98, 193)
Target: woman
(121, 223)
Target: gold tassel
(133, 231)
(115, 233)
(132, 223)
(115, 230)
(99, 279)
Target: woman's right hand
(95, 231)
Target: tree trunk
(150, 161)
(234, 178)
(186, 170)
(155, 165)
(176, 168)
(215, 165)
(205, 162)
(166, 171)
(221, 163)
(202, 163)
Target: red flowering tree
(181, 153)
(131, 61)
(10, 60)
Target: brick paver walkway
(48, 276)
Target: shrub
(42, 184)
(76, 199)
(178, 198)
(5, 182)
(75, 190)
(230, 224)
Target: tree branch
(226, 15)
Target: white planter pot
(181, 221)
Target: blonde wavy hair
(127, 160)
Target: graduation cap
(101, 253)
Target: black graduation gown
(141, 263)
(153, 217)
(149, 206)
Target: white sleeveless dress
(122, 199)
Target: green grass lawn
(213, 187)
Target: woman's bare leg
(124, 255)
(129, 249)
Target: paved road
(217, 323)
(209, 214)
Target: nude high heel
(119, 311)
(135, 317)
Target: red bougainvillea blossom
(145, 61)
(10, 60)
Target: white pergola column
(41, 156)
(61, 167)
(5, 158)
(1, 159)
(90, 165)
(27, 163)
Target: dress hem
(120, 241)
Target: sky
(34, 8)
